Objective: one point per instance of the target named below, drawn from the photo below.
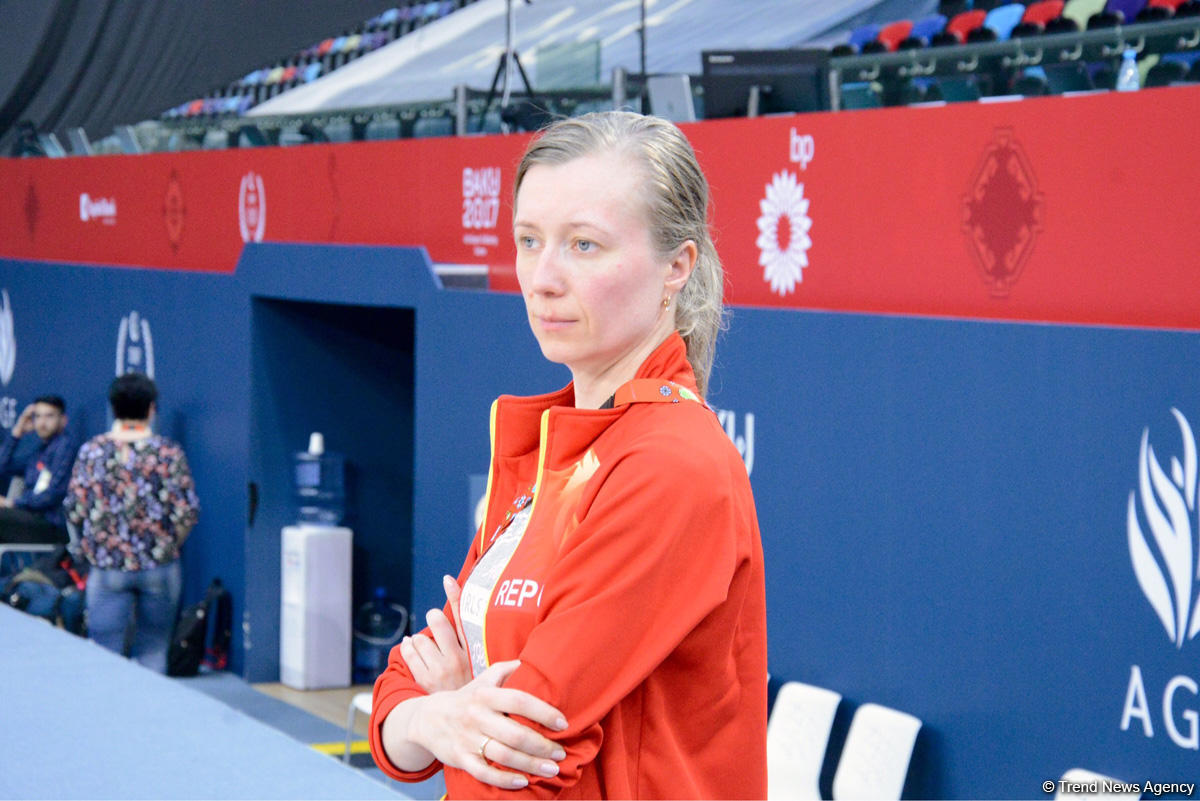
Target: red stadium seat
(894, 33)
(1037, 16)
(1043, 11)
(960, 27)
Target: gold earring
(666, 301)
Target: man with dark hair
(131, 396)
(132, 496)
(36, 515)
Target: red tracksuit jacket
(634, 598)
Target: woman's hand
(440, 663)
(470, 728)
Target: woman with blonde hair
(609, 637)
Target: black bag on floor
(51, 588)
(203, 634)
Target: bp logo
(1164, 551)
(252, 207)
(783, 227)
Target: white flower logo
(1169, 505)
(783, 261)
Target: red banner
(1080, 209)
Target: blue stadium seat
(861, 94)
(923, 30)
(1165, 73)
(433, 126)
(859, 37)
(1116, 12)
(863, 34)
(1004, 18)
(959, 89)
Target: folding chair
(361, 702)
(797, 736)
(876, 755)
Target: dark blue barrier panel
(944, 512)
(945, 505)
(73, 326)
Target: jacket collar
(517, 419)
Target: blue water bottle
(319, 484)
(379, 626)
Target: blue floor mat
(303, 726)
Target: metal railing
(1166, 36)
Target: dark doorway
(346, 371)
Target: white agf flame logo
(1168, 505)
(783, 261)
(8, 342)
(135, 348)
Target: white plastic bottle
(1128, 79)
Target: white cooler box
(315, 627)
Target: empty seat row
(314, 61)
(412, 12)
(346, 44)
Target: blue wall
(943, 503)
(65, 323)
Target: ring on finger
(483, 746)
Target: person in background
(36, 515)
(131, 495)
(606, 636)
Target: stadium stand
(897, 53)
